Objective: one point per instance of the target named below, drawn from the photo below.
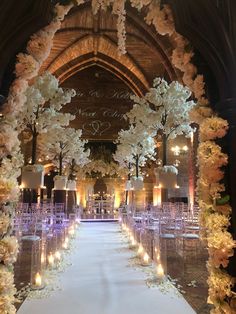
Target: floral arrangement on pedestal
(63, 145)
(164, 110)
(135, 147)
(41, 111)
(27, 67)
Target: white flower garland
(28, 66)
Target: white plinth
(32, 177)
(167, 180)
(137, 183)
(71, 185)
(60, 182)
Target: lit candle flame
(160, 271)
(140, 249)
(38, 280)
(146, 259)
(132, 240)
(57, 256)
(50, 259)
(71, 231)
(42, 258)
(65, 245)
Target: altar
(100, 204)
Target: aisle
(99, 281)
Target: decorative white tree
(165, 111)
(40, 113)
(63, 145)
(135, 147)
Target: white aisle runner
(99, 281)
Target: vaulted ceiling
(85, 57)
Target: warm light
(42, 258)
(177, 162)
(156, 195)
(185, 148)
(176, 150)
(177, 186)
(140, 250)
(65, 245)
(57, 256)
(117, 200)
(50, 260)
(38, 280)
(157, 254)
(22, 186)
(71, 231)
(132, 240)
(146, 259)
(160, 271)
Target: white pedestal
(60, 182)
(71, 185)
(32, 177)
(167, 180)
(137, 183)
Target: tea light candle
(51, 260)
(65, 245)
(57, 256)
(71, 231)
(42, 258)
(132, 241)
(146, 259)
(157, 253)
(140, 250)
(38, 280)
(160, 272)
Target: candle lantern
(146, 261)
(38, 263)
(160, 275)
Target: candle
(57, 256)
(42, 258)
(157, 254)
(51, 260)
(65, 245)
(71, 231)
(146, 259)
(133, 242)
(140, 250)
(160, 272)
(38, 280)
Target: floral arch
(215, 212)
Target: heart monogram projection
(100, 103)
(96, 127)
